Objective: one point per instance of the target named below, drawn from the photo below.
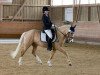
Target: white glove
(53, 26)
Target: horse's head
(70, 34)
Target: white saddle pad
(43, 37)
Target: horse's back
(32, 35)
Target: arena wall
(15, 29)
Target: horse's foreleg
(66, 54)
(34, 53)
(51, 56)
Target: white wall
(70, 2)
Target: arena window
(5, 1)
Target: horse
(32, 38)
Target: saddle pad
(43, 37)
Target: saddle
(44, 35)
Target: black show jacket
(47, 22)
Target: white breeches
(49, 33)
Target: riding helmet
(45, 8)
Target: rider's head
(45, 10)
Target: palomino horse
(32, 38)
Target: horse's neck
(61, 37)
(61, 34)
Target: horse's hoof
(13, 55)
(20, 63)
(70, 64)
(40, 63)
(49, 64)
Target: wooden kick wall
(21, 16)
(15, 29)
(31, 10)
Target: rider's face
(46, 12)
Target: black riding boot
(49, 41)
(49, 45)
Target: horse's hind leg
(22, 53)
(34, 53)
(20, 59)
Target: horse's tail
(14, 53)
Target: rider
(47, 27)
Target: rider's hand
(53, 26)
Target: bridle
(69, 37)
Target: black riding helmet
(45, 8)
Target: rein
(60, 31)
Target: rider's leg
(49, 39)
